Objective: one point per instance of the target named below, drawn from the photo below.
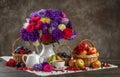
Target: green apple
(96, 64)
(79, 63)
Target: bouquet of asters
(47, 26)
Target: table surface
(11, 72)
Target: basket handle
(66, 46)
(13, 45)
(88, 41)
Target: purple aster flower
(24, 34)
(54, 23)
(42, 13)
(57, 19)
(58, 12)
(33, 14)
(69, 25)
(49, 13)
(57, 34)
(44, 63)
(33, 36)
(38, 67)
(73, 36)
(44, 28)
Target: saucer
(60, 68)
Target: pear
(59, 58)
(52, 58)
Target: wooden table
(11, 72)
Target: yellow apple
(79, 63)
(84, 52)
(96, 64)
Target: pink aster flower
(47, 68)
(63, 15)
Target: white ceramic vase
(47, 51)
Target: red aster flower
(67, 33)
(30, 27)
(38, 25)
(46, 38)
(35, 19)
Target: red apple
(92, 50)
(72, 62)
(85, 46)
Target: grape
(22, 64)
(22, 47)
(63, 54)
(18, 64)
(28, 51)
(18, 49)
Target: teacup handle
(23, 58)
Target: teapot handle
(23, 58)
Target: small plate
(60, 68)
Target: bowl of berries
(86, 50)
(19, 51)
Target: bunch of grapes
(22, 50)
(63, 55)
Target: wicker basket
(18, 57)
(88, 59)
(68, 48)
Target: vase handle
(43, 48)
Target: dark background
(97, 20)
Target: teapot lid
(33, 54)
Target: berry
(72, 68)
(22, 51)
(83, 68)
(11, 63)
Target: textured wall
(98, 20)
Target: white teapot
(32, 59)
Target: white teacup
(59, 64)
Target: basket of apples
(19, 51)
(86, 51)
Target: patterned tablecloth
(40, 73)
